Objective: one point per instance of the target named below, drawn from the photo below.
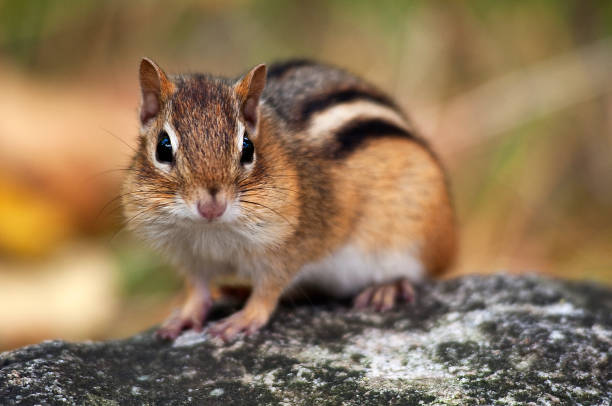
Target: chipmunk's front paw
(240, 322)
(175, 324)
(190, 317)
(172, 327)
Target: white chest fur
(209, 250)
(205, 249)
(349, 270)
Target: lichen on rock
(472, 340)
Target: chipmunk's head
(198, 157)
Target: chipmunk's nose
(213, 205)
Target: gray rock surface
(473, 340)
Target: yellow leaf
(30, 225)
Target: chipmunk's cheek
(183, 209)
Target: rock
(472, 340)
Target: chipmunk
(299, 176)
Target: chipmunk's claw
(190, 317)
(241, 322)
(171, 329)
(384, 297)
(174, 325)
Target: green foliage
(143, 272)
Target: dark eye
(163, 152)
(248, 150)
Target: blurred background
(516, 97)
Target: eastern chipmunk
(297, 176)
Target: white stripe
(239, 135)
(332, 119)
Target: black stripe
(355, 133)
(279, 69)
(325, 101)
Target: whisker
(262, 184)
(119, 138)
(141, 196)
(154, 207)
(105, 172)
(268, 191)
(247, 195)
(266, 207)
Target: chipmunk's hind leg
(385, 296)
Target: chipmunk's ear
(155, 88)
(249, 89)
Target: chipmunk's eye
(163, 152)
(248, 150)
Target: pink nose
(211, 209)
